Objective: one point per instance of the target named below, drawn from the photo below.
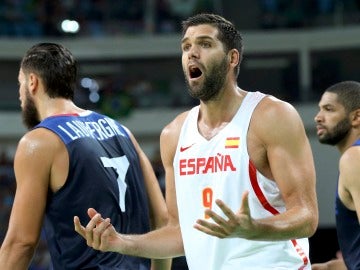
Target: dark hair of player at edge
(55, 65)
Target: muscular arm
(280, 150)
(291, 165)
(32, 165)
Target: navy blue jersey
(348, 230)
(104, 173)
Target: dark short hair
(348, 94)
(55, 65)
(228, 34)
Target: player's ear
(33, 82)
(234, 57)
(355, 117)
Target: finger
(90, 227)
(224, 226)
(105, 236)
(245, 203)
(215, 217)
(226, 210)
(98, 232)
(209, 228)
(78, 227)
(91, 212)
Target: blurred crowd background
(118, 87)
(38, 18)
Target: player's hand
(335, 264)
(98, 233)
(238, 224)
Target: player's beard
(337, 134)
(30, 114)
(213, 82)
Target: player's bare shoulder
(170, 135)
(349, 166)
(39, 140)
(272, 114)
(174, 127)
(273, 108)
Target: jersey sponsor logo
(206, 165)
(184, 148)
(232, 142)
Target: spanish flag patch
(232, 142)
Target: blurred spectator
(294, 14)
(126, 16)
(92, 15)
(115, 99)
(164, 22)
(53, 12)
(270, 12)
(181, 9)
(206, 6)
(325, 6)
(98, 18)
(20, 18)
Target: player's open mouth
(194, 72)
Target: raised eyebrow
(201, 38)
(205, 37)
